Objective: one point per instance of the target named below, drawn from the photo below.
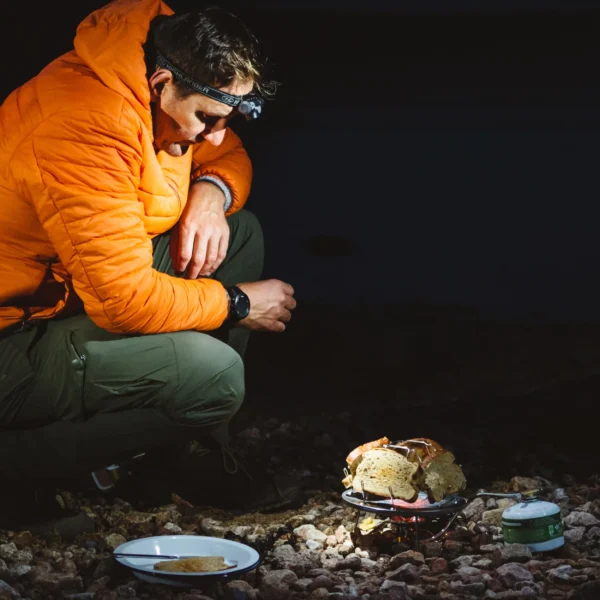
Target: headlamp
(250, 105)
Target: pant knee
(211, 382)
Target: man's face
(180, 122)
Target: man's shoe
(218, 477)
(225, 479)
(40, 510)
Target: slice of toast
(382, 471)
(195, 564)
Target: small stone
(212, 527)
(236, 590)
(559, 495)
(581, 519)
(314, 545)
(398, 589)
(453, 548)
(562, 574)
(346, 548)
(352, 562)
(515, 553)
(285, 557)
(483, 563)
(322, 581)
(275, 585)
(493, 517)
(466, 573)
(172, 529)
(302, 585)
(410, 557)
(309, 532)
(368, 564)
(574, 535)
(20, 570)
(320, 593)
(342, 534)
(331, 541)
(439, 565)
(504, 503)
(474, 510)
(7, 591)
(463, 561)
(11, 552)
(523, 484)
(114, 540)
(23, 539)
(407, 572)
(432, 549)
(512, 572)
(593, 533)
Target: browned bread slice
(443, 477)
(368, 446)
(382, 470)
(195, 564)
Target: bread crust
(433, 471)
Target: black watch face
(241, 306)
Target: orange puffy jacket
(83, 192)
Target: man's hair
(213, 47)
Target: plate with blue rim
(240, 557)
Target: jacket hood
(110, 41)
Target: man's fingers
(212, 251)
(285, 316)
(198, 257)
(287, 288)
(186, 249)
(290, 303)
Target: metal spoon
(168, 556)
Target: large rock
(276, 584)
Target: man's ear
(157, 83)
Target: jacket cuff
(221, 185)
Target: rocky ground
(316, 552)
(513, 406)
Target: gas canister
(536, 523)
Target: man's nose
(200, 131)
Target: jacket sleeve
(230, 163)
(86, 198)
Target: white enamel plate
(244, 557)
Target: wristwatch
(239, 303)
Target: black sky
(434, 151)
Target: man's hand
(199, 241)
(271, 303)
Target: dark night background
(427, 181)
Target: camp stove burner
(411, 519)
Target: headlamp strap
(206, 90)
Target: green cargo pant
(75, 398)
